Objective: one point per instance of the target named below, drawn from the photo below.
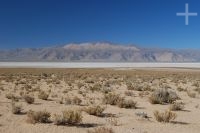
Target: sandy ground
(64, 83)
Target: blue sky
(146, 23)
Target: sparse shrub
(147, 88)
(196, 84)
(38, 117)
(101, 130)
(96, 87)
(143, 93)
(177, 106)
(95, 110)
(111, 98)
(180, 88)
(43, 95)
(90, 81)
(68, 100)
(129, 93)
(166, 116)
(9, 95)
(161, 96)
(80, 85)
(29, 99)
(68, 117)
(76, 100)
(106, 90)
(113, 121)
(197, 89)
(130, 86)
(127, 104)
(191, 94)
(16, 109)
(12, 97)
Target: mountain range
(99, 52)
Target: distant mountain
(99, 52)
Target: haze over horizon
(144, 23)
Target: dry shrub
(76, 100)
(96, 87)
(29, 99)
(129, 93)
(12, 97)
(95, 110)
(68, 117)
(16, 109)
(130, 86)
(180, 89)
(112, 98)
(79, 85)
(38, 117)
(177, 106)
(197, 89)
(161, 96)
(43, 95)
(113, 121)
(191, 94)
(9, 96)
(101, 130)
(166, 116)
(130, 104)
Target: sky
(145, 23)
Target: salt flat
(95, 65)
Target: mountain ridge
(99, 52)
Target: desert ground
(50, 100)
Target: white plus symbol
(186, 14)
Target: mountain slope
(100, 52)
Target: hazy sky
(147, 23)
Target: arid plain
(99, 100)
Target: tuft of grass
(101, 130)
(95, 110)
(68, 117)
(43, 95)
(29, 99)
(161, 96)
(38, 117)
(165, 117)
